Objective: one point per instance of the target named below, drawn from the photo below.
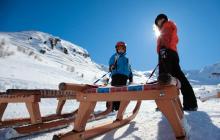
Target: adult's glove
(163, 53)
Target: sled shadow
(165, 131)
(132, 127)
(201, 127)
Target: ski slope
(24, 66)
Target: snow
(24, 66)
(209, 75)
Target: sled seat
(165, 96)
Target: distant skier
(120, 69)
(169, 60)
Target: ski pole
(152, 73)
(101, 77)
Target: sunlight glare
(156, 31)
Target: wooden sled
(37, 122)
(165, 96)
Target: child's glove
(111, 68)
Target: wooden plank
(60, 105)
(19, 98)
(75, 87)
(43, 126)
(2, 109)
(43, 93)
(34, 112)
(65, 94)
(83, 114)
(163, 94)
(122, 108)
(179, 107)
(23, 91)
(168, 108)
(22, 121)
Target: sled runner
(165, 96)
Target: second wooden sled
(37, 122)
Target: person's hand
(105, 81)
(163, 53)
(112, 67)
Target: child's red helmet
(120, 43)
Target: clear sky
(97, 25)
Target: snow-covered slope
(29, 60)
(208, 75)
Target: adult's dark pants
(169, 63)
(118, 80)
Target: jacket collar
(120, 54)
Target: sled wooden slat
(84, 111)
(34, 112)
(19, 98)
(131, 95)
(60, 105)
(2, 109)
(122, 108)
(20, 121)
(43, 126)
(75, 87)
(43, 93)
(169, 110)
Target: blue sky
(97, 25)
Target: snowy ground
(22, 66)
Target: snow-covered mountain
(33, 59)
(208, 75)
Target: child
(120, 69)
